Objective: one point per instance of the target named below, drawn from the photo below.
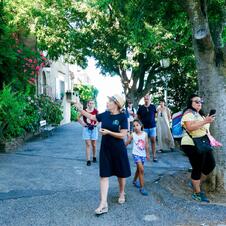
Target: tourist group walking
(121, 125)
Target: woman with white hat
(113, 154)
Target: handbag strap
(187, 132)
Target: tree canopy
(127, 38)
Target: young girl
(140, 152)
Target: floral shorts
(137, 158)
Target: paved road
(46, 182)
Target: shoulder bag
(202, 143)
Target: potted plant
(69, 95)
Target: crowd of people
(122, 125)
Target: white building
(59, 78)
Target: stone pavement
(47, 182)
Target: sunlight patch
(151, 217)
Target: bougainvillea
(31, 63)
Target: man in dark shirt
(146, 113)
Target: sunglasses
(198, 101)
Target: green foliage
(216, 17)
(129, 35)
(86, 92)
(134, 36)
(50, 110)
(12, 108)
(74, 114)
(19, 59)
(57, 25)
(7, 54)
(21, 113)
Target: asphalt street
(46, 182)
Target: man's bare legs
(153, 147)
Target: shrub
(74, 114)
(50, 110)
(12, 108)
(33, 114)
(21, 113)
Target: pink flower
(19, 51)
(30, 60)
(31, 81)
(37, 68)
(42, 64)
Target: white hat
(118, 99)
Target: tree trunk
(212, 85)
(131, 92)
(212, 89)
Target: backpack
(177, 130)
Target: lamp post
(165, 63)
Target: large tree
(128, 38)
(122, 36)
(208, 37)
(130, 43)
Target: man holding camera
(90, 132)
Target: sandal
(143, 191)
(101, 210)
(122, 199)
(136, 184)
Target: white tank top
(139, 144)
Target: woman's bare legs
(196, 185)
(93, 143)
(88, 146)
(122, 184)
(104, 185)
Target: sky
(107, 86)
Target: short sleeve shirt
(113, 122)
(192, 116)
(139, 143)
(88, 121)
(147, 116)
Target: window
(62, 89)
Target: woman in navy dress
(113, 154)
